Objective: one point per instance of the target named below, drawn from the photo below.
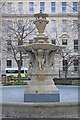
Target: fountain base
(41, 89)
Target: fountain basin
(13, 104)
(16, 93)
(44, 46)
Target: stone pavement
(40, 110)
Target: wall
(58, 16)
(40, 110)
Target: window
(9, 7)
(75, 45)
(65, 65)
(20, 30)
(9, 45)
(31, 41)
(31, 7)
(76, 64)
(63, 6)
(9, 48)
(53, 25)
(53, 41)
(53, 7)
(64, 41)
(75, 25)
(64, 25)
(9, 26)
(42, 6)
(75, 7)
(8, 42)
(21, 62)
(20, 7)
(14, 71)
(20, 26)
(20, 42)
(9, 63)
(31, 27)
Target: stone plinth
(42, 89)
(41, 97)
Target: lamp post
(59, 70)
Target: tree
(15, 36)
(68, 60)
(67, 54)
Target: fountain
(41, 53)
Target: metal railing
(69, 73)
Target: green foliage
(68, 81)
(7, 83)
(14, 83)
(76, 84)
(75, 78)
(19, 83)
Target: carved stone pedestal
(42, 89)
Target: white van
(13, 72)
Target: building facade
(61, 30)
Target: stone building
(61, 30)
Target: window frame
(9, 63)
(76, 65)
(9, 26)
(31, 7)
(75, 6)
(76, 45)
(75, 25)
(65, 64)
(64, 25)
(64, 7)
(53, 7)
(30, 41)
(9, 7)
(64, 41)
(42, 6)
(20, 26)
(53, 25)
(53, 41)
(20, 7)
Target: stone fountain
(41, 53)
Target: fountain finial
(41, 21)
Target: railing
(69, 73)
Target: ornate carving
(40, 57)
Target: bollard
(14, 78)
(3, 78)
(7, 79)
